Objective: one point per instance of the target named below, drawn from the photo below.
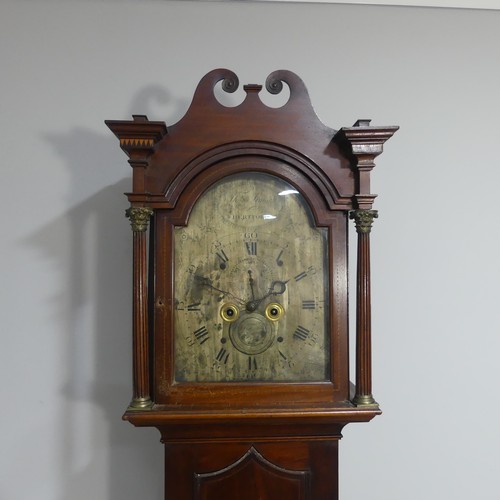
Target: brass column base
(364, 400)
(140, 404)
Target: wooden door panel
(252, 471)
(253, 478)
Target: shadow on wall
(91, 246)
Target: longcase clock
(240, 220)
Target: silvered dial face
(251, 286)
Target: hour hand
(277, 288)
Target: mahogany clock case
(240, 298)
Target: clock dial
(251, 286)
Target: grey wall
(464, 4)
(65, 244)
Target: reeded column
(139, 220)
(363, 397)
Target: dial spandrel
(251, 286)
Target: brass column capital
(139, 218)
(363, 219)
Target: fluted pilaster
(139, 220)
(363, 397)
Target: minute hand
(204, 281)
(276, 288)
